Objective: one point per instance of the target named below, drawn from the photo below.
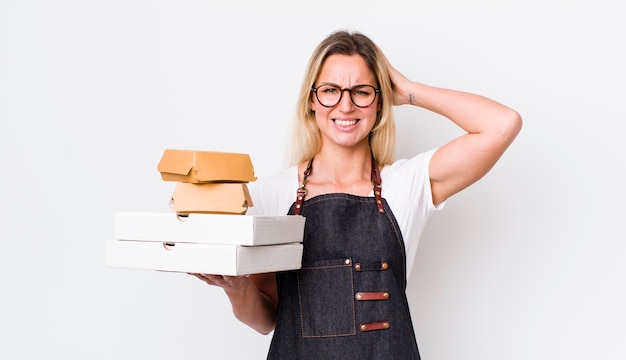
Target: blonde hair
(305, 138)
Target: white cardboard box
(209, 228)
(203, 258)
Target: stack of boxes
(208, 182)
(210, 231)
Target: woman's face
(345, 124)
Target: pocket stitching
(351, 302)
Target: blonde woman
(365, 210)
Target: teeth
(345, 122)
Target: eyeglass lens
(361, 95)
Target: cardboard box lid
(248, 230)
(211, 198)
(205, 166)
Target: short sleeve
(406, 187)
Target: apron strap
(302, 189)
(377, 186)
(375, 177)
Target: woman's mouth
(345, 123)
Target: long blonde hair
(305, 138)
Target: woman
(365, 211)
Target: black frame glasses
(362, 94)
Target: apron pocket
(326, 297)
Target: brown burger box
(191, 166)
(214, 198)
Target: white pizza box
(230, 229)
(203, 258)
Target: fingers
(219, 280)
(386, 61)
(398, 81)
(210, 279)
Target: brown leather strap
(377, 186)
(302, 189)
(364, 296)
(381, 325)
(375, 177)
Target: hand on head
(399, 83)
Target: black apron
(348, 300)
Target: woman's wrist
(237, 288)
(410, 94)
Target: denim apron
(348, 300)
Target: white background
(526, 264)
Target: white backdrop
(526, 264)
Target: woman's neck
(340, 171)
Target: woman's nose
(345, 103)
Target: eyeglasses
(330, 95)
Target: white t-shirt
(405, 186)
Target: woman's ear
(312, 103)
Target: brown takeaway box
(212, 198)
(190, 166)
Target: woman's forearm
(474, 113)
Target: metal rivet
(297, 206)
(386, 325)
(363, 327)
(348, 261)
(358, 296)
(357, 267)
(386, 295)
(381, 211)
(384, 265)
